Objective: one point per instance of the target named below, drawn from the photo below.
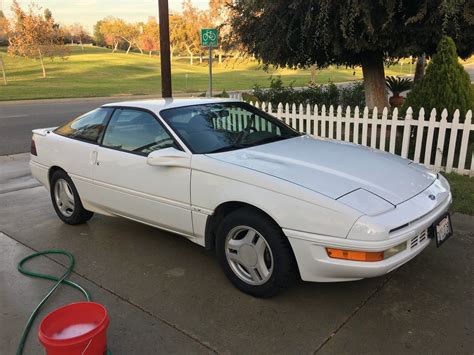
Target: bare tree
(33, 36)
(78, 34)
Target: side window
(88, 127)
(135, 131)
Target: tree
(130, 33)
(112, 30)
(48, 15)
(420, 68)
(99, 37)
(33, 36)
(219, 12)
(298, 34)
(78, 34)
(184, 30)
(3, 39)
(446, 84)
(150, 38)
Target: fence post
(308, 119)
(287, 114)
(464, 143)
(393, 131)
(347, 125)
(373, 128)
(365, 123)
(293, 116)
(440, 146)
(452, 141)
(316, 121)
(355, 137)
(331, 122)
(323, 121)
(339, 123)
(280, 111)
(406, 133)
(301, 118)
(419, 135)
(383, 129)
(429, 138)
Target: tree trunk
(149, 53)
(374, 81)
(129, 46)
(200, 58)
(3, 71)
(115, 47)
(191, 61)
(420, 68)
(313, 69)
(80, 42)
(42, 62)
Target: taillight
(33, 147)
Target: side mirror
(170, 157)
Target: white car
(275, 204)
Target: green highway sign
(209, 37)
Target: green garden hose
(59, 281)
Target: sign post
(209, 38)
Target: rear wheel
(254, 253)
(66, 200)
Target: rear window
(88, 127)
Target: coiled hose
(59, 281)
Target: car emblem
(432, 197)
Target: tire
(66, 200)
(254, 253)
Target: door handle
(93, 157)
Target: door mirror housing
(170, 157)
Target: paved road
(18, 118)
(167, 295)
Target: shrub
(445, 85)
(396, 85)
(223, 94)
(330, 94)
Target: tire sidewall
(283, 263)
(76, 215)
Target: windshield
(218, 127)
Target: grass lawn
(98, 72)
(462, 188)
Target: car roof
(157, 105)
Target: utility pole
(166, 91)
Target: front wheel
(254, 253)
(66, 201)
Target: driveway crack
(355, 311)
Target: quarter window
(135, 131)
(88, 127)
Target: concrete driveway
(167, 295)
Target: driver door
(126, 185)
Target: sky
(87, 12)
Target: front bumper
(315, 264)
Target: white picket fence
(411, 137)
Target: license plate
(442, 230)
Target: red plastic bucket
(75, 329)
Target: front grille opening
(419, 239)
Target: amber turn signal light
(355, 255)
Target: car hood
(334, 168)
